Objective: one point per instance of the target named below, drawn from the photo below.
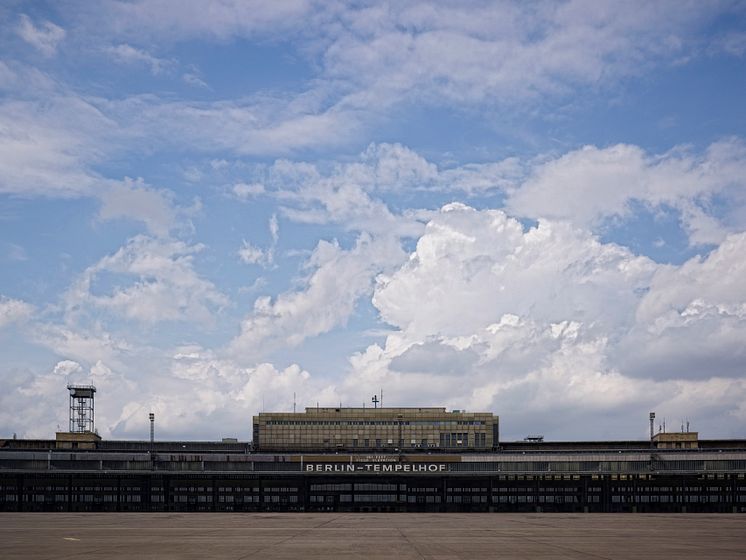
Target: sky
(212, 209)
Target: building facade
(386, 459)
(376, 429)
(179, 476)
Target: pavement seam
(291, 537)
(410, 543)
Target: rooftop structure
(376, 429)
(676, 440)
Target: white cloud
(246, 191)
(49, 149)
(250, 254)
(262, 125)
(46, 148)
(587, 186)
(339, 278)
(591, 184)
(494, 267)
(206, 395)
(52, 141)
(82, 345)
(274, 229)
(194, 78)
(514, 52)
(552, 328)
(14, 310)
(127, 54)
(193, 392)
(36, 403)
(163, 285)
(339, 197)
(692, 320)
(132, 198)
(369, 58)
(221, 20)
(392, 167)
(65, 368)
(45, 38)
(376, 54)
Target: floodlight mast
(82, 418)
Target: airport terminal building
(376, 429)
(380, 459)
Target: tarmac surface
(372, 535)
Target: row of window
(451, 440)
(374, 423)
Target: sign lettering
(375, 468)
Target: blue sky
(533, 209)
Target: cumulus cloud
(338, 279)
(591, 184)
(194, 393)
(163, 285)
(36, 402)
(590, 187)
(549, 326)
(550, 271)
(45, 37)
(204, 395)
(691, 321)
(65, 368)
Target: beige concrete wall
(76, 440)
(676, 440)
